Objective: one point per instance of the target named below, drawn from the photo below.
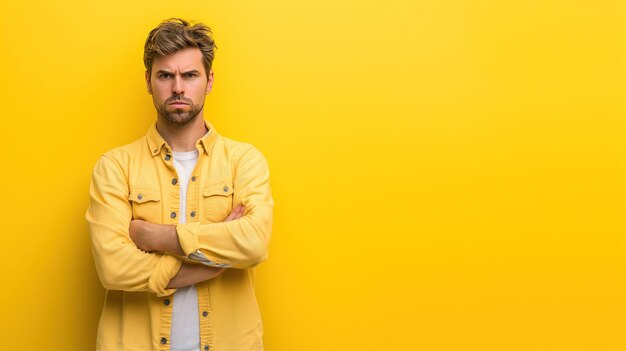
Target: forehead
(183, 60)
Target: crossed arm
(133, 255)
(151, 237)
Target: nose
(177, 87)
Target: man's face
(178, 85)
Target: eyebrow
(170, 72)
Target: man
(179, 218)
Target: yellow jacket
(134, 181)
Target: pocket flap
(144, 195)
(222, 188)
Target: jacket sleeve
(239, 243)
(119, 263)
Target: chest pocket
(146, 204)
(218, 201)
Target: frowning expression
(178, 84)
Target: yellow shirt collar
(204, 144)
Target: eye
(164, 75)
(191, 75)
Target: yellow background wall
(448, 175)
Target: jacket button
(167, 157)
(206, 347)
(173, 215)
(166, 302)
(193, 178)
(193, 213)
(139, 197)
(226, 189)
(205, 313)
(163, 341)
(174, 181)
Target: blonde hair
(175, 34)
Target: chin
(179, 119)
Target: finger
(239, 209)
(236, 213)
(233, 214)
(239, 215)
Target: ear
(148, 83)
(209, 84)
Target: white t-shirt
(185, 333)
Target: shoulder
(243, 154)
(239, 149)
(130, 150)
(122, 156)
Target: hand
(236, 213)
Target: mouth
(178, 104)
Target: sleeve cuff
(200, 257)
(165, 270)
(188, 237)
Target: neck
(182, 138)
